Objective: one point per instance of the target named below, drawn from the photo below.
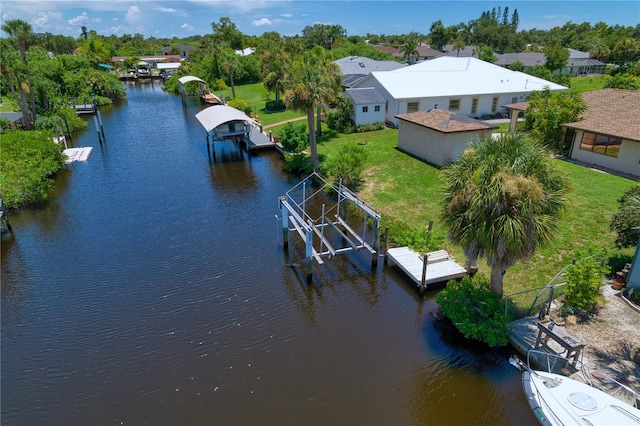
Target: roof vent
(361, 64)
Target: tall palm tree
(323, 60)
(11, 69)
(502, 199)
(308, 87)
(458, 45)
(275, 62)
(229, 64)
(409, 49)
(20, 32)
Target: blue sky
(288, 17)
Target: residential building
(466, 86)
(438, 136)
(368, 105)
(355, 68)
(608, 134)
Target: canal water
(152, 288)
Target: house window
(412, 106)
(454, 104)
(377, 108)
(494, 105)
(474, 106)
(365, 109)
(601, 144)
(514, 99)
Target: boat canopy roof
(212, 117)
(188, 78)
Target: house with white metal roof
(355, 68)
(368, 105)
(466, 86)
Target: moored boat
(560, 400)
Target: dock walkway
(258, 140)
(440, 266)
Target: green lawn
(257, 96)
(587, 84)
(8, 104)
(407, 189)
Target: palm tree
(502, 199)
(333, 77)
(275, 62)
(459, 45)
(229, 64)
(11, 69)
(409, 49)
(309, 87)
(20, 32)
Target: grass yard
(588, 84)
(257, 96)
(8, 104)
(407, 189)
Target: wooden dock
(84, 107)
(440, 268)
(258, 140)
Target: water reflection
(152, 288)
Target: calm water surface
(152, 289)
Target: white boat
(559, 400)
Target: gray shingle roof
(365, 95)
(445, 121)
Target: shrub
(370, 127)
(28, 160)
(347, 164)
(339, 118)
(294, 138)
(275, 106)
(627, 218)
(297, 163)
(584, 278)
(475, 310)
(241, 104)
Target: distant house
(183, 48)
(425, 52)
(466, 86)
(246, 52)
(608, 135)
(438, 136)
(355, 68)
(466, 52)
(579, 63)
(368, 105)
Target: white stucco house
(608, 134)
(438, 136)
(368, 105)
(466, 86)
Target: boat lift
(318, 233)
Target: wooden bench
(569, 344)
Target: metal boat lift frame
(294, 217)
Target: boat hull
(560, 400)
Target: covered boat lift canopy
(203, 93)
(214, 116)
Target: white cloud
(172, 10)
(47, 21)
(133, 15)
(83, 19)
(287, 15)
(187, 27)
(261, 22)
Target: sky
(183, 18)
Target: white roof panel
(169, 65)
(188, 78)
(212, 117)
(452, 76)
